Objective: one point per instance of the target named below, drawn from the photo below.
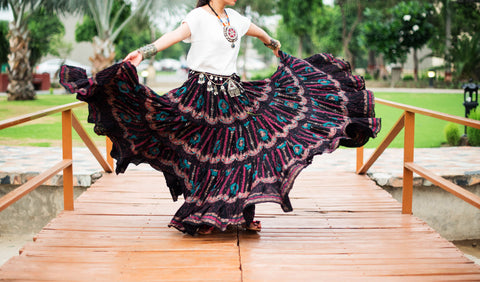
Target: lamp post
(431, 76)
(470, 102)
(144, 74)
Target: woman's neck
(218, 7)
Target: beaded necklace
(229, 31)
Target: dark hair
(201, 3)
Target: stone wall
(31, 213)
(450, 216)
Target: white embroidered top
(210, 51)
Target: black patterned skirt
(224, 144)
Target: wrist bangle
(148, 51)
(274, 44)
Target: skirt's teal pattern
(225, 154)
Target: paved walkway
(17, 164)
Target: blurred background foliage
(362, 32)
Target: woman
(224, 144)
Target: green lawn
(428, 131)
(43, 132)
(47, 131)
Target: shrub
(452, 133)
(367, 76)
(473, 134)
(262, 74)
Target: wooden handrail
(69, 120)
(33, 116)
(38, 180)
(438, 115)
(106, 165)
(383, 145)
(452, 188)
(407, 122)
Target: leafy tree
(137, 35)
(132, 38)
(377, 36)
(103, 23)
(289, 43)
(403, 27)
(300, 19)
(465, 55)
(111, 17)
(87, 29)
(349, 27)
(454, 19)
(328, 37)
(412, 22)
(255, 10)
(338, 29)
(20, 85)
(59, 47)
(4, 50)
(375, 60)
(45, 28)
(380, 35)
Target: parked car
(143, 66)
(52, 67)
(167, 65)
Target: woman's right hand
(135, 58)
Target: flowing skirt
(225, 153)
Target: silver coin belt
(220, 83)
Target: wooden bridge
(350, 229)
(343, 228)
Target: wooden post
(408, 157)
(67, 155)
(359, 158)
(90, 144)
(109, 149)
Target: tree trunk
(245, 51)
(347, 34)
(372, 68)
(103, 54)
(20, 86)
(415, 64)
(383, 73)
(300, 48)
(348, 54)
(448, 41)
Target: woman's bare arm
(261, 34)
(162, 43)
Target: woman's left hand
(134, 57)
(274, 45)
(276, 52)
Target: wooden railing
(69, 120)
(407, 121)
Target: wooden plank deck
(343, 228)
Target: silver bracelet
(148, 51)
(274, 44)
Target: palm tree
(20, 76)
(108, 26)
